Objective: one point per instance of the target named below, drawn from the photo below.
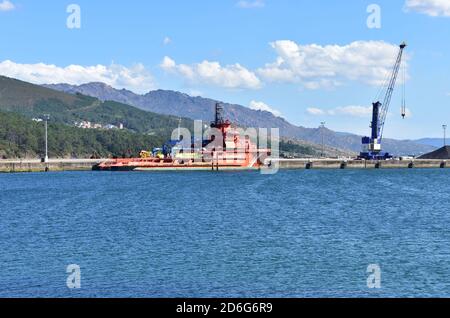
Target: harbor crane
(372, 145)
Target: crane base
(374, 156)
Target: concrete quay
(52, 165)
(360, 164)
(87, 164)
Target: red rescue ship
(233, 152)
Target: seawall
(360, 164)
(86, 164)
(52, 165)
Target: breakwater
(87, 164)
(52, 165)
(360, 164)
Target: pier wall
(86, 164)
(360, 164)
(52, 165)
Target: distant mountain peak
(97, 84)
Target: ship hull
(132, 166)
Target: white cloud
(135, 78)
(167, 40)
(354, 111)
(432, 8)
(246, 4)
(212, 73)
(168, 63)
(264, 107)
(321, 83)
(351, 110)
(314, 66)
(315, 111)
(7, 5)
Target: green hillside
(15, 95)
(21, 137)
(34, 101)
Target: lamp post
(322, 129)
(46, 119)
(445, 134)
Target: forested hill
(21, 137)
(33, 101)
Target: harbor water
(299, 233)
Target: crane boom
(390, 90)
(372, 145)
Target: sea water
(299, 233)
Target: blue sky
(309, 61)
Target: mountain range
(180, 104)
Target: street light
(445, 134)
(322, 129)
(46, 119)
